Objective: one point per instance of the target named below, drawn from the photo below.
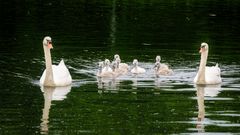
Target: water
(85, 33)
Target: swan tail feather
(61, 63)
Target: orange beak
(50, 45)
(201, 50)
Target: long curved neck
(135, 66)
(49, 73)
(202, 67)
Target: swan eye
(50, 42)
(203, 46)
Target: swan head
(107, 62)
(100, 64)
(203, 48)
(116, 56)
(135, 62)
(158, 58)
(47, 41)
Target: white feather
(61, 75)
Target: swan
(136, 69)
(207, 75)
(160, 68)
(105, 70)
(107, 67)
(54, 75)
(121, 66)
(117, 69)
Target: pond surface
(85, 33)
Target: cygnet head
(116, 56)
(203, 48)
(47, 41)
(158, 58)
(135, 62)
(107, 62)
(100, 64)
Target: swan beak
(50, 45)
(201, 50)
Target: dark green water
(86, 32)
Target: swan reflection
(202, 92)
(201, 108)
(51, 93)
(107, 84)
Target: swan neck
(202, 67)
(48, 62)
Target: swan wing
(138, 70)
(107, 69)
(43, 77)
(164, 70)
(123, 66)
(213, 75)
(61, 74)
(163, 66)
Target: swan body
(136, 69)
(107, 67)
(161, 69)
(121, 66)
(212, 75)
(54, 75)
(61, 75)
(105, 70)
(207, 75)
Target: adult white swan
(54, 75)
(136, 69)
(207, 75)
